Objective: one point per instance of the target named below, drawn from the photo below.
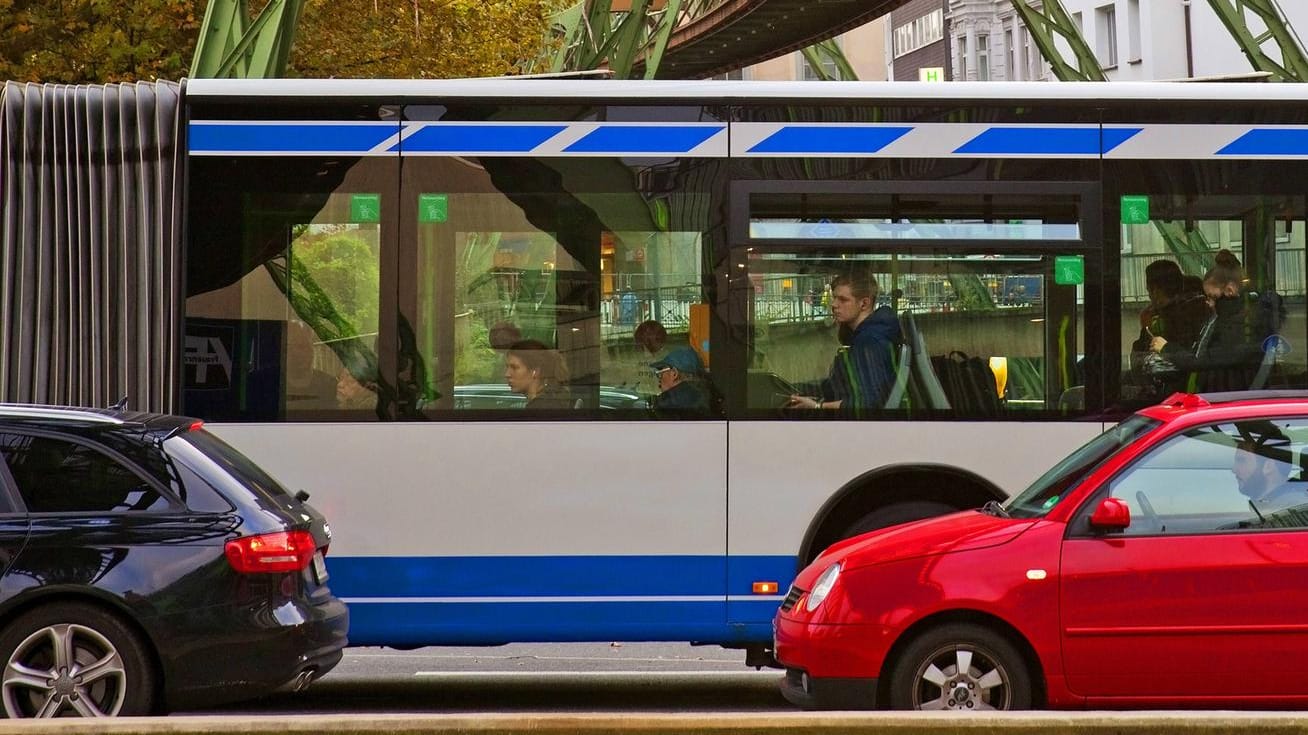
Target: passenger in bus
(1230, 346)
(503, 335)
(1175, 315)
(537, 372)
(651, 337)
(863, 369)
(681, 384)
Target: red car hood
(963, 531)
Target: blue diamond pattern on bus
(271, 137)
(479, 138)
(644, 139)
(1033, 141)
(809, 139)
(1269, 142)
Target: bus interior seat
(925, 385)
(1072, 399)
(902, 368)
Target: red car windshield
(1054, 485)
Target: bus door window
(589, 276)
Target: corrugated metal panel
(90, 244)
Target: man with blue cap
(678, 374)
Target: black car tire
(997, 676)
(124, 682)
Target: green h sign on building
(931, 74)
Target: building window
(1106, 35)
(1133, 30)
(1010, 70)
(733, 75)
(983, 58)
(962, 58)
(919, 32)
(808, 74)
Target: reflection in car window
(1046, 492)
(55, 476)
(1241, 475)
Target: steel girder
(233, 46)
(1234, 14)
(1052, 20)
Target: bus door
(542, 296)
(980, 294)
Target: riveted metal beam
(1236, 16)
(1051, 22)
(233, 46)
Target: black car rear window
(249, 474)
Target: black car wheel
(74, 660)
(960, 666)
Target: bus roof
(718, 90)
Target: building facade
(1134, 40)
(918, 43)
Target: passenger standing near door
(864, 368)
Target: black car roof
(66, 417)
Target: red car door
(1205, 594)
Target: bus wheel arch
(894, 494)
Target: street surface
(565, 678)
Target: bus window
(284, 307)
(962, 335)
(598, 281)
(1212, 295)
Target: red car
(1163, 564)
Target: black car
(145, 566)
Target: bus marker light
(765, 588)
(1036, 574)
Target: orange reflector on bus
(765, 588)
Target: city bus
(346, 264)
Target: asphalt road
(570, 678)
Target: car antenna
(120, 405)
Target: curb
(925, 723)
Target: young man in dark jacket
(864, 369)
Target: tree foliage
(96, 41)
(76, 41)
(418, 38)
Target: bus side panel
(486, 532)
(781, 474)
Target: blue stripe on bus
(407, 623)
(479, 138)
(1047, 141)
(554, 576)
(643, 139)
(286, 138)
(808, 139)
(1268, 142)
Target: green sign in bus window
(365, 208)
(1135, 209)
(1069, 270)
(433, 207)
